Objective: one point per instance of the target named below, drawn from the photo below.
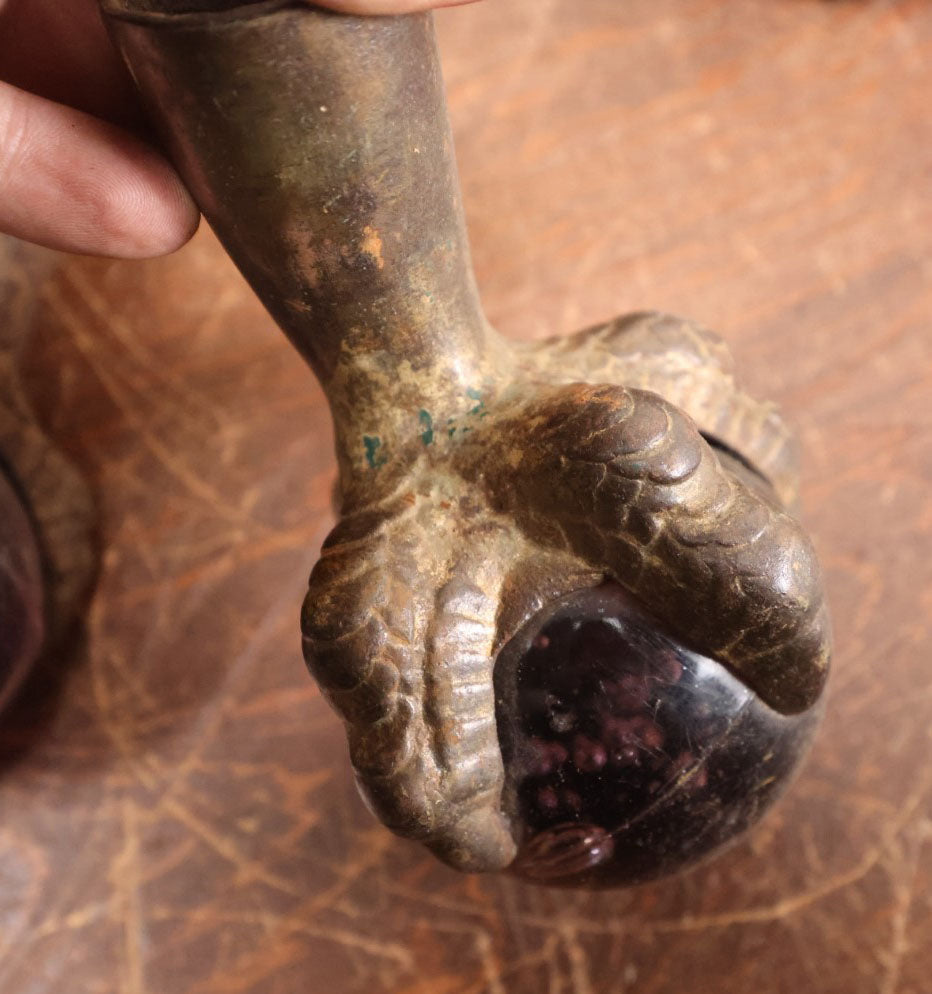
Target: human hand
(76, 172)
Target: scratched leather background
(176, 813)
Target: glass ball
(627, 755)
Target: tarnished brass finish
(479, 479)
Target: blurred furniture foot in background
(46, 512)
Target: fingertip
(78, 184)
(145, 213)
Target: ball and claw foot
(570, 536)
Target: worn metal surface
(478, 480)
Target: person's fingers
(387, 6)
(73, 182)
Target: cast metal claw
(482, 482)
(552, 482)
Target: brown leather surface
(176, 811)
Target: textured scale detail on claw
(636, 489)
(691, 368)
(400, 640)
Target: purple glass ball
(628, 756)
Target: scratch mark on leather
(126, 872)
(248, 869)
(904, 888)
(579, 964)
(121, 396)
